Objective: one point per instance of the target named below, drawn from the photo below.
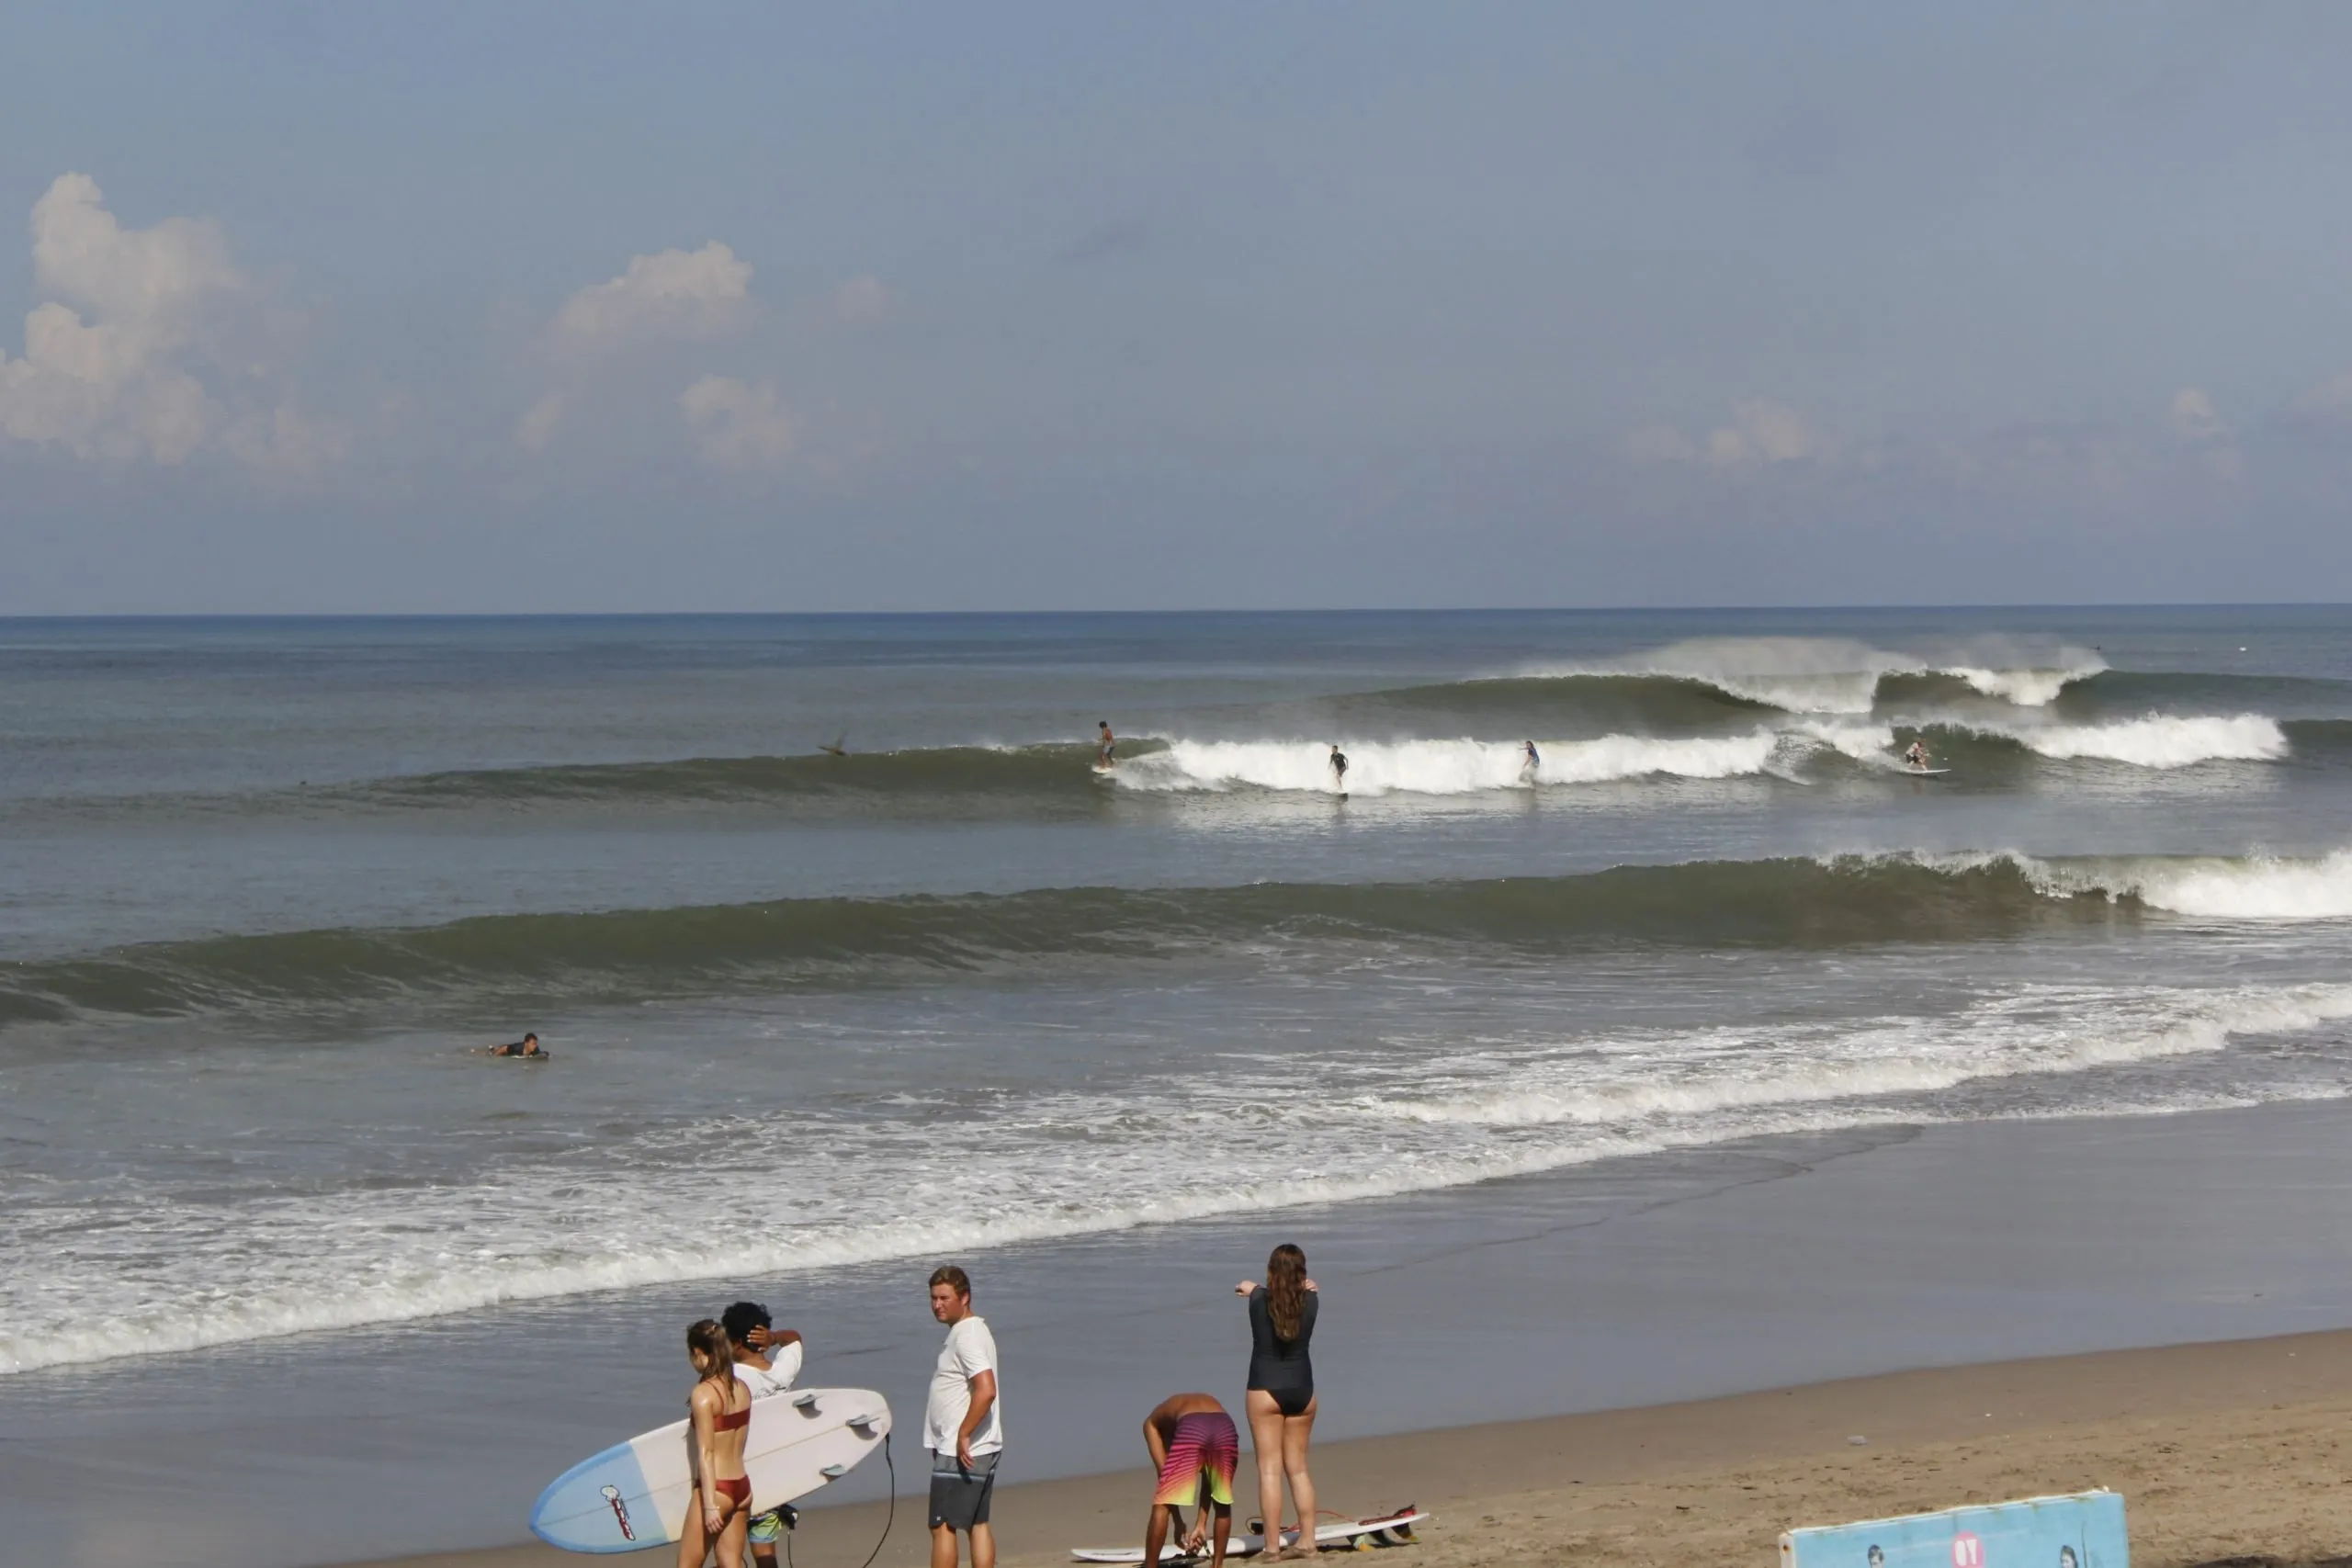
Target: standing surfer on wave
(1338, 769)
(1106, 748)
(1918, 755)
(1534, 762)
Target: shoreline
(2221, 1450)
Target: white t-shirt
(784, 1365)
(969, 1351)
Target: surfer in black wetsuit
(526, 1046)
(1281, 1400)
(1338, 769)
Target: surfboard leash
(889, 1514)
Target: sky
(530, 308)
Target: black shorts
(1290, 1401)
(960, 1498)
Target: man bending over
(1194, 1447)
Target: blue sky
(590, 307)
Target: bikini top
(729, 1422)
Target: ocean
(263, 881)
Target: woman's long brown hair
(1285, 1289)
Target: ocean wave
(2154, 741)
(1832, 675)
(1443, 767)
(164, 1275)
(2255, 888)
(536, 961)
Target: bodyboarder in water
(527, 1048)
(1106, 748)
(1338, 769)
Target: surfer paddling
(766, 1360)
(528, 1046)
(1195, 1449)
(1281, 1400)
(962, 1424)
(722, 1418)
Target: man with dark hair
(766, 1360)
(526, 1046)
(963, 1425)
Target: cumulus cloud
(670, 295)
(540, 422)
(738, 424)
(861, 300)
(2194, 418)
(123, 381)
(1760, 433)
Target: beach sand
(2224, 1453)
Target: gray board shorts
(960, 1497)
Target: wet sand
(2222, 1452)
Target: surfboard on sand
(1380, 1529)
(635, 1495)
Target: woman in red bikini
(722, 1413)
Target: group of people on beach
(1191, 1439)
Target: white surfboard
(635, 1495)
(1380, 1529)
(1927, 773)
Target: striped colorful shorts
(1201, 1457)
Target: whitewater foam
(176, 1273)
(2155, 740)
(1442, 767)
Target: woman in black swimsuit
(1281, 1400)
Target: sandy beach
(2223, 1452)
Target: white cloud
(861, 300)
(737, 425)
(1761, 433)
(2194, 418)
(670, 294)
(122, 382)
(537, 426)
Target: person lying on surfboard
(1918, 755)
(1195, 1450)
(526, 1046)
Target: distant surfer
(766, 1360)
(1338, 769)
(1918, 755)
(1534, 762)
(1195, 1450)
(838, 749)
(527, 1046)
(1106, 748)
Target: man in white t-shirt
(766, 1360)
(962, 1424)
